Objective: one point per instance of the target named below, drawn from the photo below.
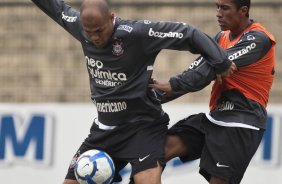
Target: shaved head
(97, 21)
(100, 6)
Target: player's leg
(174, 147)
(216, 180)
(227, 152)
(70, 176)
(68, 181)
(149, 176)
(147, 149)
(185, 139)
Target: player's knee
(149, 176)
(174, 147)
(216, 180)
(67, 181)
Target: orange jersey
(254, 81)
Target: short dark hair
(240, 3)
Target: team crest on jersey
(251, 37)
(147, 22)
(117, 47)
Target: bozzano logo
(242, 52)
(165, 35)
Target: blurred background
(40, 62)
(45, 108)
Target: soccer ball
(94, 167)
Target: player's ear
(112, 15)
(245, 11)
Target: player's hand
(164, 87)
(227, 73)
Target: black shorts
(224, 152)
(140, 144)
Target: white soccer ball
(94, 167)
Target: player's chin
(223, 28)
(99, 46)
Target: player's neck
(240, 28)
